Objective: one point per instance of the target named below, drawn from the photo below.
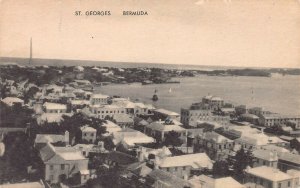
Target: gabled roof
(265, 155)
(166, 112)
(131, 137)
(24, 185)
(140, 169)
(268, 173)
(226, 182)
(49, 106)
(47, 152)
(217, 138)
(289, 157)
(8, 100)
(198, 160)
(88, 129)
(121, 158)
(161, 126)
(123, 118)
(51, 138)
(168, 179)
(99, 96)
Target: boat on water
(155, 97)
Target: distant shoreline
(118, 64)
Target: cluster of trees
(234, 166)
(15, 116)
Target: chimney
(67, 138)
(156, 163)
(101, 145)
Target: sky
(239, 33)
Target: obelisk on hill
(30, 53)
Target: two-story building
(61, 163)
(269, 177)
(216, 145)
(103, 111)
(54, 107)
(196, 112)
(184, 166)
(99, 99)
(287, 161)
(158, 129)
(265, 158)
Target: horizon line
(141, 62)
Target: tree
(108, 143)
(172, 139)
(220, 169)
(241, 160)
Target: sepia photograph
(150, 94)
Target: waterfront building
(270, 120)
(103, 111)
(196, 112)
(241, 109)
(133, 108)
(251, 118)
(214, 102)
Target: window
(264, 162)
(289, 183)
(270, 185)
(62, 166)
(51, 167)
(279, 185)
(168, 169)
(92, 134)
(261, 182)
(51, 178)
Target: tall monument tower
(30, 53)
